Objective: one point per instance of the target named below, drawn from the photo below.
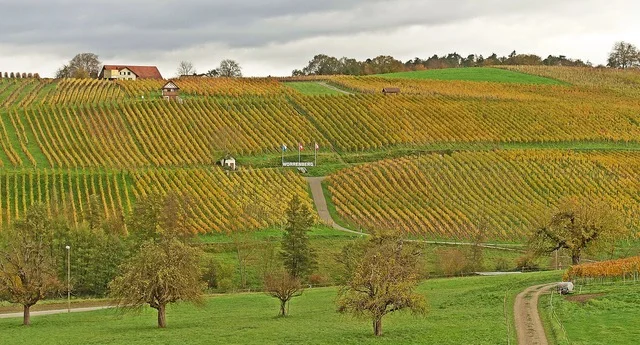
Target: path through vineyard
(329, 86)
(315, 183)
(528, 324)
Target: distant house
(122, 72)
(228, 163)
(170, 91)
(391, 90)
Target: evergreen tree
(298, 257)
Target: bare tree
(577, 225)
(27, 264)
(383, 280)
(624, 55)
(186, 68)
(229, 68)
(284, 287)
(161, 273)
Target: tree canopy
(298, 257)
(83, 65)
(624, 55)
(27, 263)
(383, 279)
(160, 273)
(577, 224)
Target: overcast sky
(272, 37)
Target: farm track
(527, 319)
(315, 184)
(53, 312)
(329, 86)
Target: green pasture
(482, 74)
(312, 88)
(476, 310)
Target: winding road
(528, 324)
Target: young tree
(160, 273)
(229, 68)
(623, 55)
(298, 257)
(27, 264)
(577, 225)
(383, 281)
(185, 68)
(284, 287)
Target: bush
(527, 262)
(502, 265)
(451, 261)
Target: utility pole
(68, 278)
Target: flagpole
(282, 153)
(315, 158)
(298, 152)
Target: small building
(228, 163)
(126, 72)
(171, 91)
(391, 90)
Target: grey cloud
(170, 25)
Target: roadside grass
(460, 311)
(311, 88)
(595, 314)
(481, 74)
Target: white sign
(297, 164)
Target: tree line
(18, 75)
(151, 259)
(622, 55)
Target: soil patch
(582, 299)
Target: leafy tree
(160, 273)
(298, 257)
(577, 225)
(186, 68)
(624, 55)
(83, 65)
(229, 68)
(156, 216)
(384, 281)
(95, 257)
(284, 287)
(27, 264)
(213, 73)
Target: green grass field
(461, 311)
(312, 88)
(475, 74)
(596, 314)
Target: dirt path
(52, 312)
(329, 86)
(315, 183)
(528, 324)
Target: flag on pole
(284, 147)
(317, 146)
(300, 146)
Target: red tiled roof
(142, 72)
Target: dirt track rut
(528, 324)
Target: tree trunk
(283, 308)
(162, 316)
(26, 319)
(575, 259)
(377, 326)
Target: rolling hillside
(74, 138)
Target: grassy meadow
(311, 88)
(474, 310)
(485, 74)
(595, 314)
